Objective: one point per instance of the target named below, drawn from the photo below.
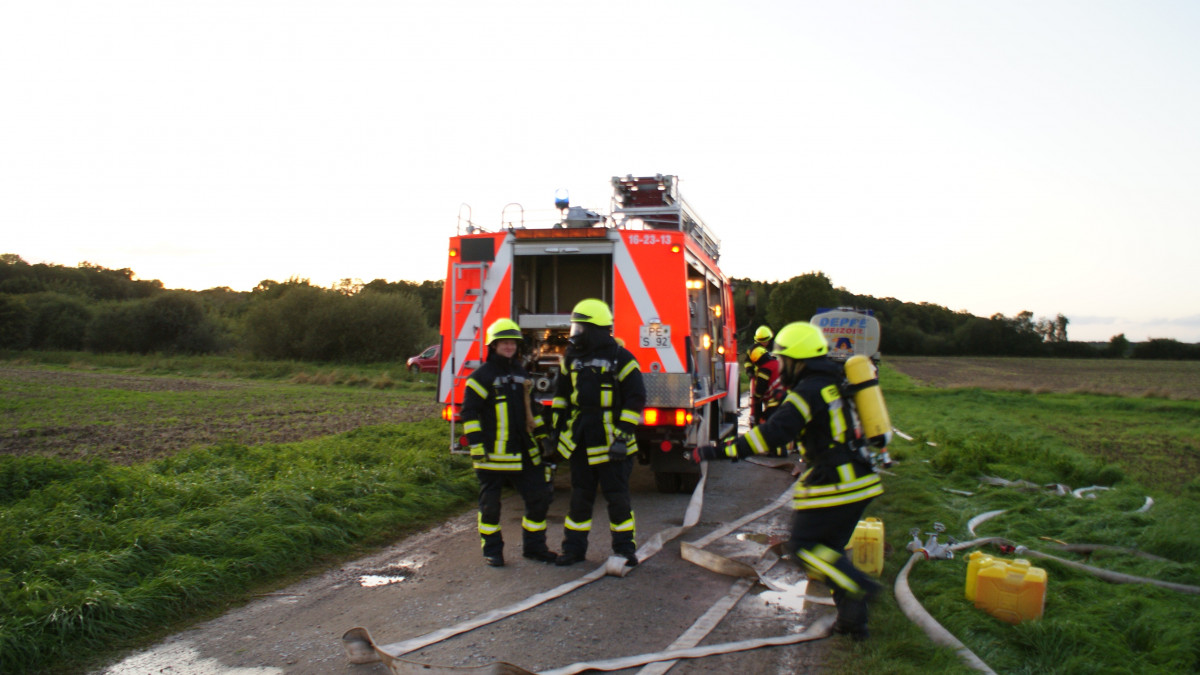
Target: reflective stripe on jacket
(814, 413)
(597, 394)
(494, 418)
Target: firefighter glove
(711, 452)
(620, 446)
(706, 452)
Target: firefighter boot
(851, 616)
(533, 546)
(575, 545)
(625, 548)
(493, 549)
(852, 603)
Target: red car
(426, 361)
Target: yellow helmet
(801, 340)
(757, 353)
(503, 329)
(592, 311)
(763, 335)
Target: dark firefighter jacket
(599, 392)
(768, 390)
(493, 416)
(814, 413)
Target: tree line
(926, 329)
(100, 310)
(89, 307)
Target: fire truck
(654, 261)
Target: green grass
(372, 374)
(97, 554)
(130, 412)
(1139, 447)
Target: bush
(16, 322)
(172, 322)
(116, 327)
(59, 321)
(1163, 348)
(314, 324)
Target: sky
(990, 157)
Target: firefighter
(832, 494)
(767, 391)
(597, 406)
(762, 340)
(763, 336)
(500, 434)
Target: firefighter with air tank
(500, 431)
(762, 341)
(597, 405)
(840, 481)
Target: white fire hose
(360, 648)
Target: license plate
(655, 336)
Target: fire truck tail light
(678, 417)
(665, 446)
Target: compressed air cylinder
(869, 400)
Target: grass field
(142, 495)
(1127, 378)
(1006, 421)
(138, 494)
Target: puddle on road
(756, 537)
(372, 580)
(180, 659)
(391, 574)
(791, 598)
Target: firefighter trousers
(612, 478)
(818, 542)
(530, 482)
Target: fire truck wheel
(667, 482)
(687, 481)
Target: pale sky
(1037, 155)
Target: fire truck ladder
(473, 303)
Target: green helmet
(801, 340)
(592, 311)
(503, 329)
(763, 335)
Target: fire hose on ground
(916, 613)
(361, 648)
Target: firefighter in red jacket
(597, 405)
(500, 435)
(762, 339)
(767, 390)
(833, 492)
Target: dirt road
(436, 579)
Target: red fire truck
(654, 262)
